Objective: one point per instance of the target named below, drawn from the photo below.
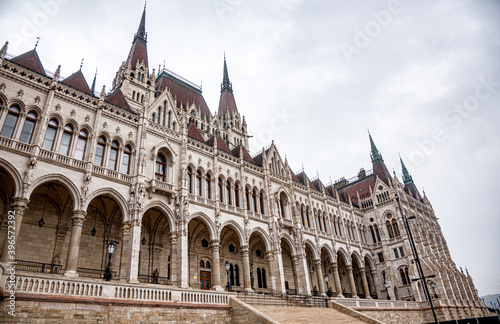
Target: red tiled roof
(246, 155)
(258, 159)
(118, 99)
(31, 61)
(318, 185)
(221, 145)
(380, 170)
(362, 187)
(78, 82)
(227, 103)
(138, 52)
(183, 93)
(330, 191)
(194, 133)
(294, 177)
(412, 190)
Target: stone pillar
(74, 243)
(135, 247)
(295, 266)
(125, 233)
(336, 279)
(272, 272)
(365, 284)
(19, 207)
(319, 273)
(376, 283)
(183, 257)
(246, 268)
(216, 266)
(303, 275)
(351, 281)
(173, 259)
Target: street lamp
(386, 285)
(433, 285)
(327, 289)
(227, 266)
(111, 249)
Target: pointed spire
(37, 40)
(3, 51)
(81, 64)
(375, 154)
(92, 88)
(141, 31)
(406, 175)
(57, 74)
(226, 84)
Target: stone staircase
(306, 315)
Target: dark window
(81, 145)
(198, 182)
(127, 152)
(29, 125)
(113, 156)
(66, 140)
(231, 248)
(50, 135)
(204, 243)
(99, 151)
(161, 168)
(190, 179)
(10, 122)
(207, 185)
(380, 257)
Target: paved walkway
(307, 315)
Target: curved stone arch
(57, 117)
(237, 228)
(4, 101)
(331, 254)
(36, 108)
(71, 121)
(57, 177)
(386, 212)
(169, 214)
(345, 256)
(288, 239)
(16, 177)
(120, 141)
(369, 261)
(16, 101)
(208, 223)
(120, 200)
(356, 256)
(265, 237)
(106, 135)
(131, 144)
(311, 245)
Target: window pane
(65, 141)
(112, 158)
(99, 152)
(10, 124)
(27, 131)
(80, 148)
(125, 163)
(49, 139)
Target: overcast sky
(423, 76)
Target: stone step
(306, 315)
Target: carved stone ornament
(73, 113)
(87, 118)
(2, 87)
(37, 99)
(20, 93)
(58, 107)
(105, 125)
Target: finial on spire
(92, 89)
(407, 179)
(3, 51)
(375, 154)
(141, 31)
(81, 64)
(226, 84)
(37, 40)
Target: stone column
(295, 266)
(336, 278)
(246, 268)
(303, 275)
(19, 207)
(183, 257)
(74, 243)
(365, 283)
(173, 259)
(319, 273)
(125, 233)
(271, 275)
(216, 266)
(351, 281)
(135, 247)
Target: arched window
(208, 180)
(373, 234)
(247, 198)
(231, 274)
(377, 233)
(405, 278)
(202, 264)
(66, 140)
(10, 122)
(259, 278)
(113, 155)
(335, 224)
(302, 216)
(161, 168)
(173, 126)
(236, 195)
(198, 182)
(99, 151)
(159, 115)
(50, 135)
(81, 145)
(308, 220)
(395, 228)
(127, 153)
(221, 191)
(261, 202)
(208, 264)
(190, 179)
(236, 275)
(169, 118)
(282, 205)
(254, 200)
(133, 95)
(153, 117)
(228, 193)
(264, 281)
(389, 229)
(29, 125)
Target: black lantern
(41, 221)
(433, 285)
(227, 266)
(386, 285)
(327, 288)
(143, 240)
(111, 249)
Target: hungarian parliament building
(147, 169)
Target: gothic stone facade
(148, 167)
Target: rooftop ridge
(181, 79)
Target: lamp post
(227, 266)
(386, 285)
(433, 285)
(111, 249)
(327, 289)
(417, 260)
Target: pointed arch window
(190, 179)
(264, 281)
(198, 182)
(99, 151)
(377, 233)
(302, 215)
(10, 122)
(236, 195)
(236, 275)
(228, 193)
(261, 202)
(161, 168)
(307, 217)
(50, 135)
(405, 278)
(254, 200)
(395, 227)
(389, 229)
(159, 115)
(259, 278)
(208, 180)
(81, 145)
(221, 190)
(247, 198)
(127, 153)
(66, 140)
(113, 155)
(29, 125)
(169, 118)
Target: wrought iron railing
(152, 280)
(273, 299)
(32, 266)
(94, 273)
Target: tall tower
(408, 182)
(379, 168)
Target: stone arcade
(150, 168)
